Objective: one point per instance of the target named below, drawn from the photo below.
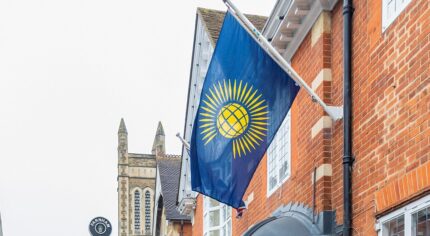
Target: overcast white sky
(69, 70)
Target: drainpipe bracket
(336, 113)
(348, 160)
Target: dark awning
(286, 226)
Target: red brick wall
(391, 73)
(391, 134)
(188, 230)
(391, 120)
(198, 217)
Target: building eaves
(290, 22)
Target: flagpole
(335, 112)
(184, 142)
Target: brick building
(299, 183)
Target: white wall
(203, 50)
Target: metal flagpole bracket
(184, 142)
(336, 113)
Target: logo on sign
(100, 226)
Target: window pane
(273, 182)
(147, 210)
(428, 221)
(391, 8)
(271, 160)
(214, 218)
(283, 171)
(214, 233)
(421, 223)
(278, 155)
(136, 210)
(394, 227)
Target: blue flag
(245, 97)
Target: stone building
(143, 179)
(136, 184)
(391, 129)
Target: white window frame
(222, 222)
(407, 211)
(277, 140)
(390, 14)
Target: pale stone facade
(136, 185)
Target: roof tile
(169, 167)
(213, 19)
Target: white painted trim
(407, 211)
(307, 23)
(203, 51)
(388, 17)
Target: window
(147, 211)
(217, 218)
(421, 222)
(395, 226)
(411, 220)
(279, 157)
(136, 210)
(391, 9)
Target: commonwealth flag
(244, 99)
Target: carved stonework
(143, 162)
(135, 171)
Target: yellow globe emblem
(235, 110)
(232, 120)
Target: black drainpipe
(348, 158)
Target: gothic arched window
(147, 210)
(136, 210)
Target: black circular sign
(100, 226)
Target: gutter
(348, 158)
